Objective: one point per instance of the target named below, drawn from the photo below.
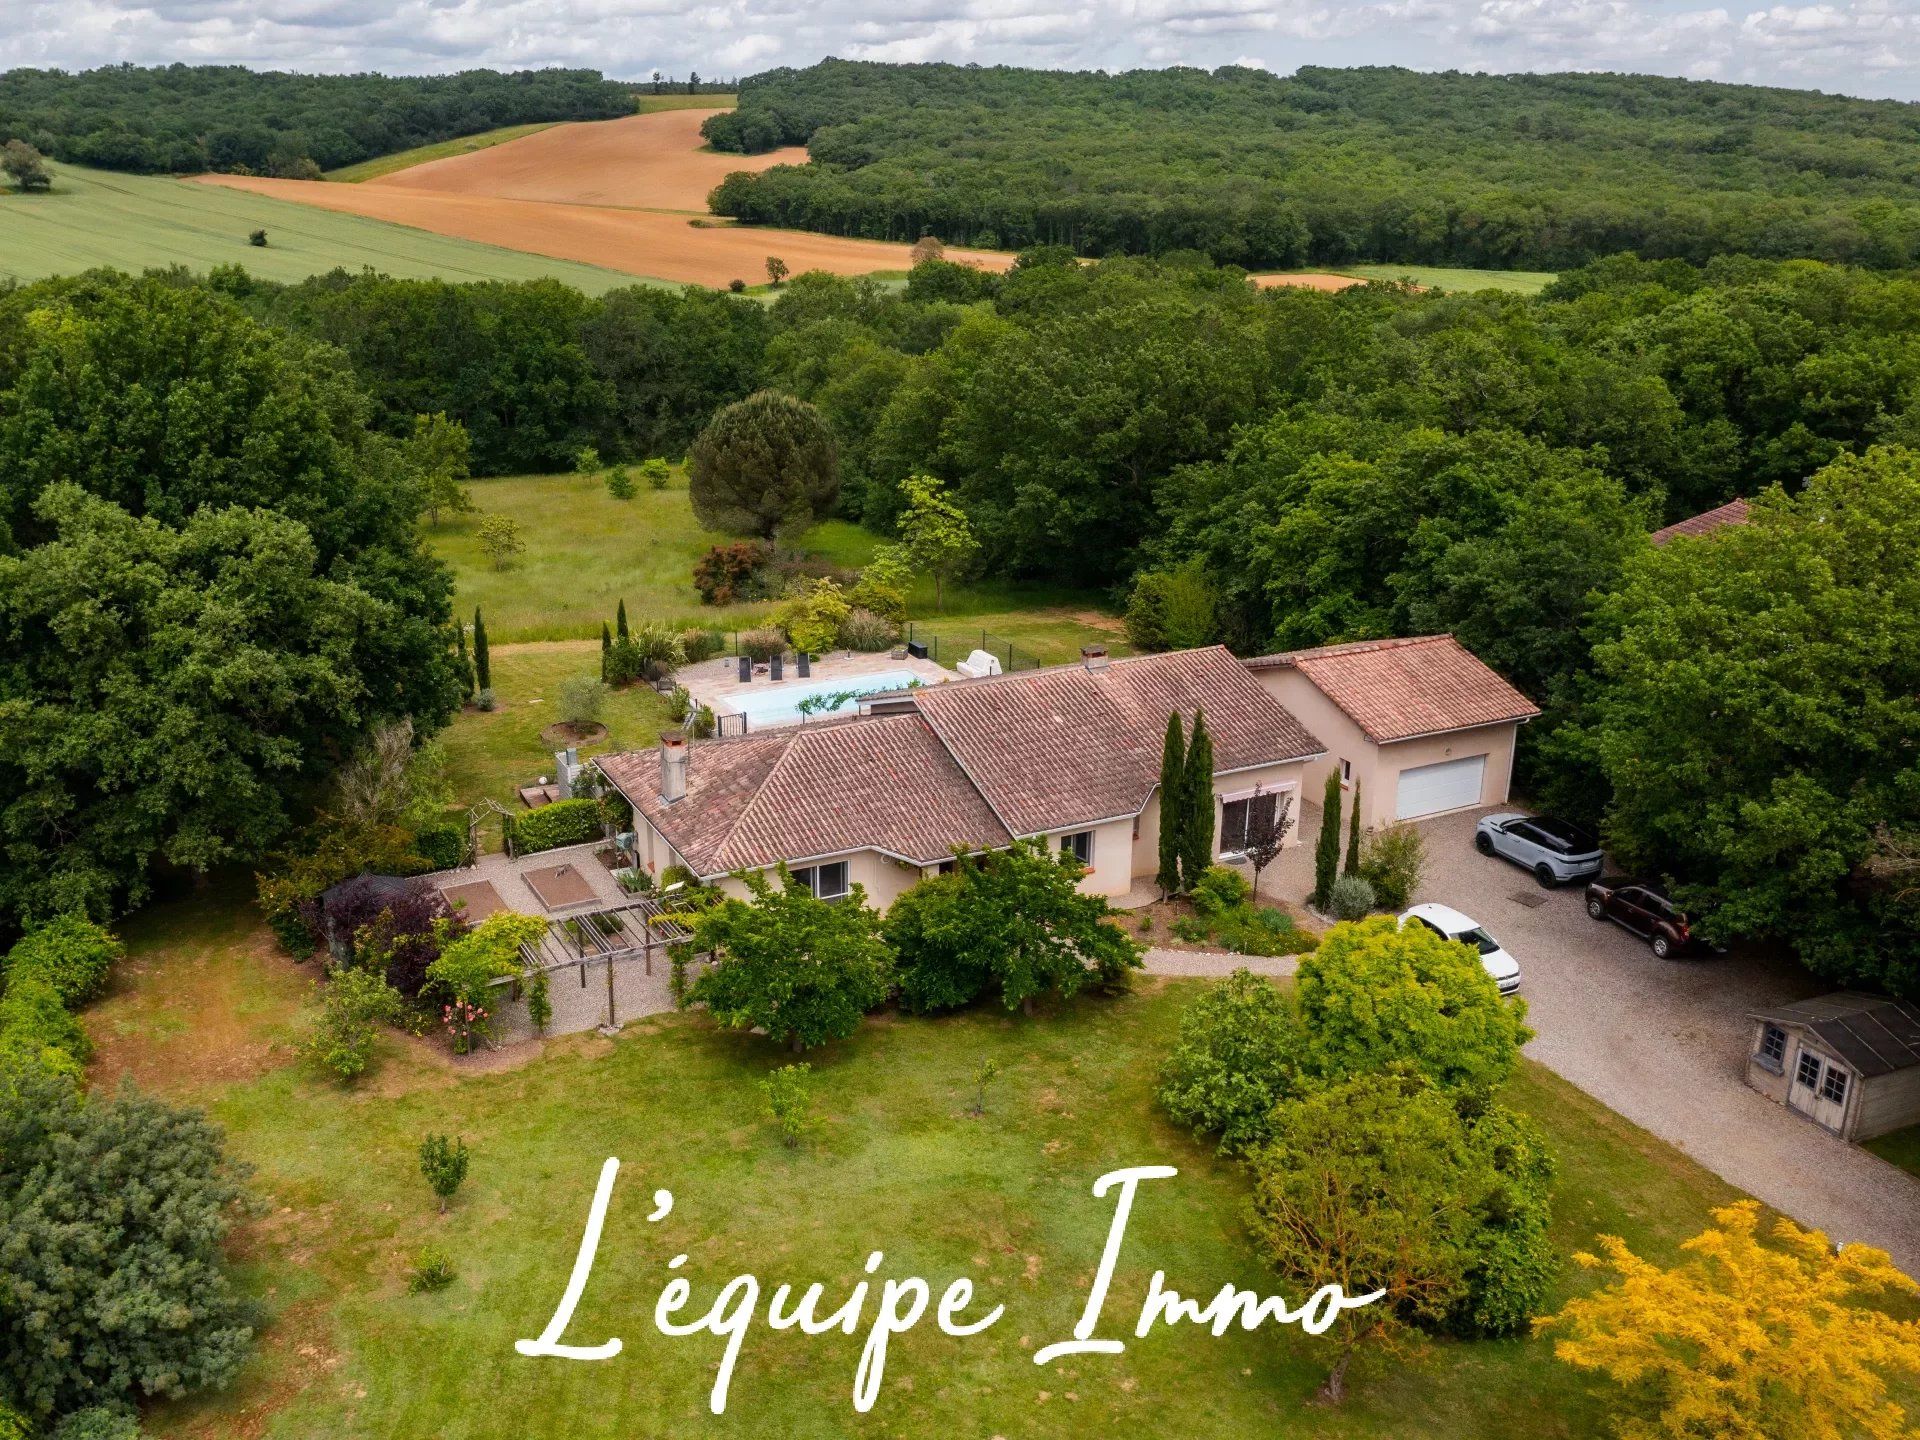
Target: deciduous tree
(935, 532)
(1791, 1341)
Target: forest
(190, 118)
(1329, 167)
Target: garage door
(1450, 785)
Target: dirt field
(652, 162)
(1313, 281)
(660, 244)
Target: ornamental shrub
(762, 644)
(442, 846)
(1351, 898)
(814, 617)
(730, 573)
(1219, 889)
(70, 953)
(620, 483)
(354, 1004)
(433, 1269)
(1235, 1059)
(701, 643)
(863, 630)
(34, 1021)
(564, 822)
(96, 1422)
(1391, 861)
(656, 473)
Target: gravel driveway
(1664, 1043)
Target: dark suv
(1646, 911)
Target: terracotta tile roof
(1734, 512)
(1053, 749)
(1397, 689)
(880, 783)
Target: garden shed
(1848, 1061)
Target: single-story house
(1734, 512)
(1419, 725)
(1848, 1061)
(1070, 754)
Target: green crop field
(406, 159)
(1436, 277)
(94, 218)
(650, 103)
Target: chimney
(1094, 657)
(673, 765)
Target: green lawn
(587, 551)
(489, 754)
(1523, 282)
(132, 222)
(406, 159)
(203, 1009)
(1901, 1148)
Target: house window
(827, 882)
(1773, 1048)
(1237, 816)
(1833, 1086)
(1807, 1072)
(945, 867)
(1346, 772)
(1079, 845)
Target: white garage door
(1450, 785)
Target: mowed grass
(490, 753)
(406, 159)
(95, 218)
(896, 1164)
(1434, 277)
(587, 551)
(1901, 1147)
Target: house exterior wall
(1286, 777)
(1376, 768)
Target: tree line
(1375, 164)
(180, 118)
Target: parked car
(1644, 910)
(1450, 924)
(1554, 850)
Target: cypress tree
(1326, 850)
(482, 668)
(1173, 801)
(1352, 867)
(465, 665)
(620, 624)
(1196, 840)
(606, 650)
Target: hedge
(442, 846)
(71, 954)
(565, 822)
(34, 1025)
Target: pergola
(632, 930)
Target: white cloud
(1867, 47)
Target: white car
(1449, 924)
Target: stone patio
(714, 682)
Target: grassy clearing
(489, 754)
(897, 1164)
(95, 218)
(1521, 282)
(406, 159)
(1901, 1148)
(647, 104)
(586, 551)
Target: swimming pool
(780, 704)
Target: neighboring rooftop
(1873, 1034)
(1734, 512)
(1060, 748)
(884, 783)
(1400, 689)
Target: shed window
(1807, 1072)
(1773, 1046)
(1833, 1086)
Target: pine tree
(1173, 801)
(620, 631)
(1196, 839)
(482, 666)
(1352, 867)
(1326, 850)
(606, 650)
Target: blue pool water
(780, 704)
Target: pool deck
(715, 682)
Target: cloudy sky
(1858, 47)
